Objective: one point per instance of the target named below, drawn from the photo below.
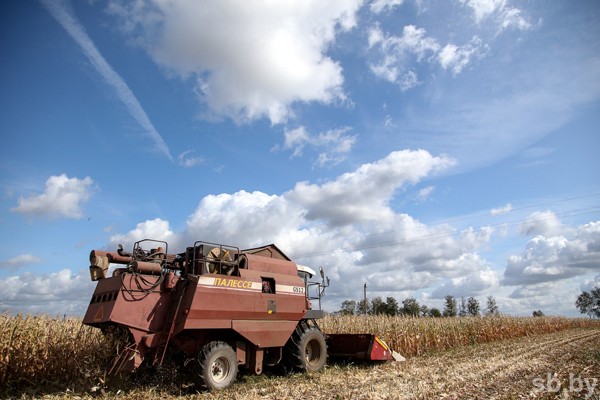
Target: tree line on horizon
(410, 307)
(587, 303)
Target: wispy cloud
(335, 143)
(425, 193)
(61, 11)
(186, 159)
(19, 261)
(500, 12)
(395, 56)
(382, 6)
(501, 210)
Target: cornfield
(412, 336)
(40, 352)
(51, 352)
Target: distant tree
(435, 313)
(423, 311)
(450, 309)
(378, 306)
(462, 312)
(473, 306)
(411, 307)
(589, 303)
(538, 313)
(491, 307)
(392, 307)
(363, 307)
(348, 307)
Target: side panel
(129, 301)
(271, 265)
(105, 296)
(265, 319)
(266, 333)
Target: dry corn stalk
(411, 336)
(40, 350)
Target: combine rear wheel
(218, 365)
(306, 349)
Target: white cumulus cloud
(553, 258)
(247, 60)
(63, 197)
(58, 293)
(156, 229)
(481, 279)
(363, 195)
(541, 223)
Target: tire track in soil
(493, 370)
(534, 350)
(507, 371)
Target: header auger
(223, 307)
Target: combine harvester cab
(223, 307)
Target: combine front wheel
(306, 350)
(218, 365)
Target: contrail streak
(62, 12)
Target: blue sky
(425, 148)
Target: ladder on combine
(170, 322)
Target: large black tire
(218, 366)
(306, 350)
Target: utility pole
(365, 298)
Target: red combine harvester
(224, 307)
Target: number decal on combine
(298, 289)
